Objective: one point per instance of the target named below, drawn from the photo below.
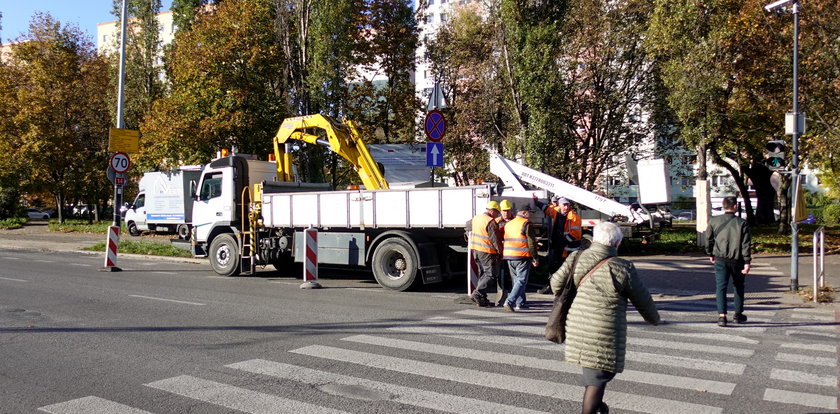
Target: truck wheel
(224, 255)
(183, 231)
(132, 229)
(395, 264)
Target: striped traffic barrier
(472, 268)
(310, 259)
(111, 250)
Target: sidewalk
(35, 237)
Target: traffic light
(776, 154)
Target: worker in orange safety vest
(486, 244)
(566, 233)
(505, 283)
(520, 253)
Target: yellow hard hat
(506, 205)
(492, 205)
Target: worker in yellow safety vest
(566, 232)
(520, 253)
(485, 242)
(505, 284)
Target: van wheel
(395, 264)
(224, 255)
(132, 229)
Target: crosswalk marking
(806, 359)
(801, 398)
(543, 319)
(685, 346)
(797, 332)
(810, 347)
(500, 381)
(803, 377)
(705, 325)
(812, 316)
(235, 398)
(396, 393)
(457, 330)
(712, 308)
(684, 362)
(91, 405)
(547, 364)
(683, 332)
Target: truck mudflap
(429, 268)
(431, 274)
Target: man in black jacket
(729, 250)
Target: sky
(85, 13)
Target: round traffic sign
(435, 125)
(120, 162)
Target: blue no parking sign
(435, 125)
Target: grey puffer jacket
(596, 329)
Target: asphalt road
(172, 337)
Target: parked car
(34, 213)
(689, 215)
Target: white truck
(248, 213)
(163, 203)
(405, 236)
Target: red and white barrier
(111, 249)
(472, 268)
(310, 259)
(310, 262)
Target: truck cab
(218, 196)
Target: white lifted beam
(513, 174)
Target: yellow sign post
(123, 140)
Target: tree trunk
(784, 203)
(59, 206)
(765, 194)
(739, 182)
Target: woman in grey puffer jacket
(596, 328)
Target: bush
(10, 203)
(831, 214)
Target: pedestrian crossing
(492, 361)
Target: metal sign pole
(794, 225)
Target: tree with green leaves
(143, 65)
(54, 118)
(725, 85)
(478, 116)
(390, 38)
(820, 85)
(227, 88)
(609, 80)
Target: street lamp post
(796, 125)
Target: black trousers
(488, 273)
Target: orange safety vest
(516, 242)
(480, 239)
(572, 230)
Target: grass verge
(12, 223)
(143, 247)
(82, 226)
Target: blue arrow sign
(434, 154)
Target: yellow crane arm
(342, 138)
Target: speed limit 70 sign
(120, 162)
